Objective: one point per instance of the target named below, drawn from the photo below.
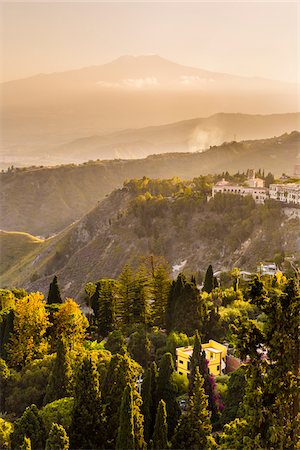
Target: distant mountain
(185, 136)
(50, 109)
(43, 201)
(183, 228)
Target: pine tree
(147, 406)
(54, 292)
(87, 418)
(59, 383)
(140, 299)
(160, 289)
(194, 428)
(126, 295)
(160, 435)
(209, 280)
(57, 439)
(125, 437)
(167, 391)
(29, 425)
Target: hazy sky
(247, 38)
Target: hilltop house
(215, 354)
(259, 194)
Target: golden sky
(246, 38)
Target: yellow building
(215, 354)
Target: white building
(286, 193)
(259, 194)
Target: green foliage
(86, 429)
(59, 411)
(209, 280)
(104, 305)
(183, 310)
(160, 434)
(116, 343)
(235, 394)
(26, 445)
(125, 436)
(29, 425)
(194, 428)
(269, 414)
(54, 292)
(122, 371)
(27, 386)
(59, 384)
(57, 439)
(197, 361)
(139, 347)
(6, 328)
(160, 292)
(167, 391)
(6, 429)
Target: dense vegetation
(147, 216)
(108, 380)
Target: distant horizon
(143, 55)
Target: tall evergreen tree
(160, 290)
(95, 300)
(126, 296)
(209, 280)
(57, 439)
(194, 428)
(149, 400)
(107, 307)
(160, 434)
(59, 383)
(140, 299)
(87, 417)
(197, 360)
(167, 391)
(54, 292)
(29, 425)
(183, 309)
(125, 437)
(122, 371)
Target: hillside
(43, 201)
(166, 218)
(130, 92)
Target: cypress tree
(59, 383)
(183, 308)
(209, 280)
(54, 292)
(196, 360)
(167, 391)
(194, 428)
(140, 299)
(160, 434)
(147, 403)
(106, 306)
(87, 418)
(125, 437)
(57, 439)
(29, 425)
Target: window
(188, 365)
(180, 373)
(180, 361)
(218, 367)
